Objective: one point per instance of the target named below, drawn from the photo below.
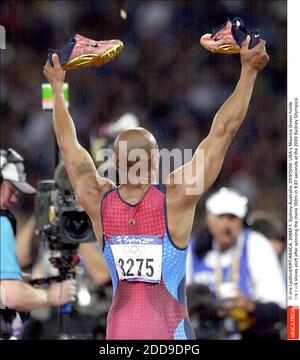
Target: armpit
(82, 168)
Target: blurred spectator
(240, 268)
(268, 225)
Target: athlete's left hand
(256, 58)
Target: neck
(135, 186)
(224, 247)
(141, 182)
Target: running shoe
(228, 38)
(83, 52)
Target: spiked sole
(91, 60)
(223, 49)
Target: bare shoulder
(105, 185)
(181, 196)
(90, 195)
(180, 215)
(90, 198)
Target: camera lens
(76, 225)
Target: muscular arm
(77, 160)
(208, 158)
(80, 167)
(186, 184)
(226, 123)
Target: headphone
(10, 156)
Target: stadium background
(172, 84)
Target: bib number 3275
(137, 258)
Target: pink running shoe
(221, 41)
(228, 38)
(84, 52)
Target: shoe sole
(222, 49)
(91, 60)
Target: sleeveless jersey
(147, 269)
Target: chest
(146, 218)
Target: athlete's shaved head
(136, 146)
(138, 138)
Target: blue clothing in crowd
(9, 264)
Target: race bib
(137, 257)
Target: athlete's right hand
(256, 58)
(62, 293)
(54, 74)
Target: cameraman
(15, 294)
(241, 269)
(89, 312)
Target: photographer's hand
(19, 296)
(239, 302)
(62, 293)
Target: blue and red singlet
(147, 269)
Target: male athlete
(144, 227)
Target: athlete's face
(8, 195)
(225, 229)
(136, 156)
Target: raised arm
(80, 167)
(200, 173)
